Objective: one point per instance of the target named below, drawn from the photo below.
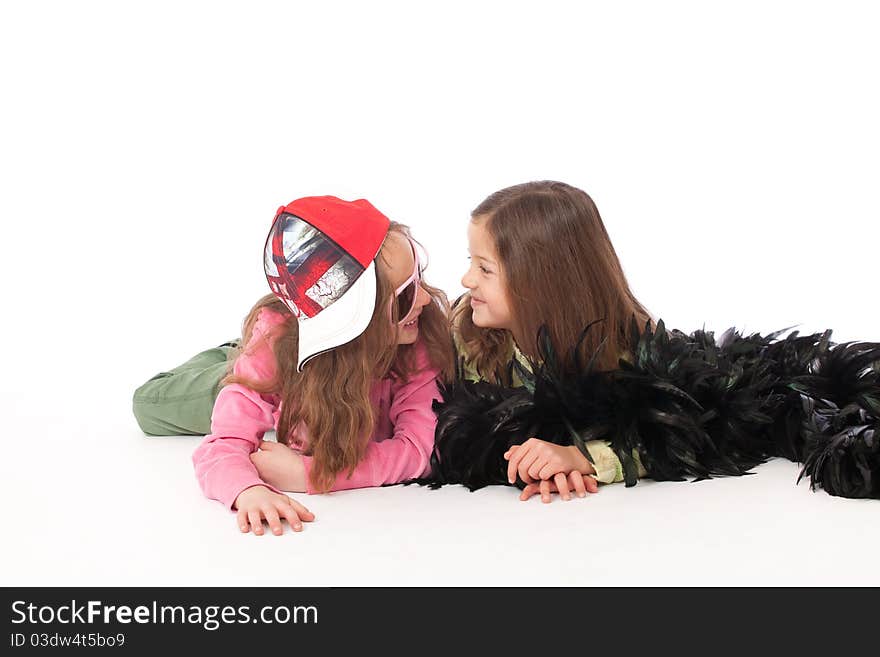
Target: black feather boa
(691, 406)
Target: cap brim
(340, 322)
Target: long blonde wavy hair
(560, 269)
(331, 396)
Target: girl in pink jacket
(341, 359)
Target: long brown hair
(560, 270)
(331, 396)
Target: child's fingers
(590, 483)
(513, 463)
(541, 465)
(545, 491)
(547, 471)
(545, 487)
(577, 482)
(525, 463)
(561, 482)
(517, 454)
(267, 445)
(273, 519)
(510, 452)
(528, 491)
(256, 521)
(304, 514)
(293, 519)
(242, 519)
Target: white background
(144, 148)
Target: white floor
(138, 185)
(97, 503)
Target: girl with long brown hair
(341, 359)
(555, 345)
(540, 257)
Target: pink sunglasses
(408, 292)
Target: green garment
(180, 402)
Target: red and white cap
(319, 260)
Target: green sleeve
(469, 370)
(608, 467)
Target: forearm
(224, 469)
(222, 460)
(389, 461)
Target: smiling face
(398, 263)
(485, 279)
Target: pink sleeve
(407, 454)
(240, 418)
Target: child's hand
(258, 502)
(537, 459)
(280, 466)
(562, 484)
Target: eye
(482, 268)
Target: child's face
(485, 280)
(399, 262)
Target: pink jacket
(401, 445)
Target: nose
(468, 279)
(423, 298)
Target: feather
(844, 463)
(688, 405)
(476, 423)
